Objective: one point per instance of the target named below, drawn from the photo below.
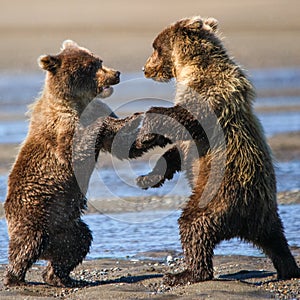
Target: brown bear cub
(220, 144)
(48, 182)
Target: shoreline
(285, 146)
(156, 203)
(169, 203)
(236, 276)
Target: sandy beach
(258, 33)
(236, 277)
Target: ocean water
(130, 234)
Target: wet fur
(45, 199)
(244, 205)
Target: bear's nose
(118, 74)
(143, 69)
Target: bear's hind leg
(274, 244)
(25, 247)
(199, 235)
(67, 250)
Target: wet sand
(236, 277)
(258, 33)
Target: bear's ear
(212, 23)
(49, 62)
(194, 23)
(69, 44)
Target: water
(136, 93)
(114, 237)
(273, 123)
(118, 182)
(275, 79)
(131, 237)
(13, 131)
(140, 233)
(280, 122)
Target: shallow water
(136, 93)
(132, 235)
(273, 123)
(118, 182)
(116, 238)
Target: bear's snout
(107, 76)
(114, 79)
(117, 76)
(148, 72)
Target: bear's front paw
(132, 122)
(159, 110)
(150, 181)
(149, 140)
(146, 140)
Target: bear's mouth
(105, 91)
(161, 79)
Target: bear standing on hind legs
(230, 170)
(49, 179)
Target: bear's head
(188, 42)
(77, 74)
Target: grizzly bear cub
(220, 144)
(48, 182)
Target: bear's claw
(150, 181)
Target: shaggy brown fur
(222, 148)
(48, 182)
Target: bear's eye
(95, 65)
(98, 63)
(157, 51)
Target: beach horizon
(258, 33)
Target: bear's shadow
(246, 274)
(131, 279)
(241, 276)
(122, 279)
